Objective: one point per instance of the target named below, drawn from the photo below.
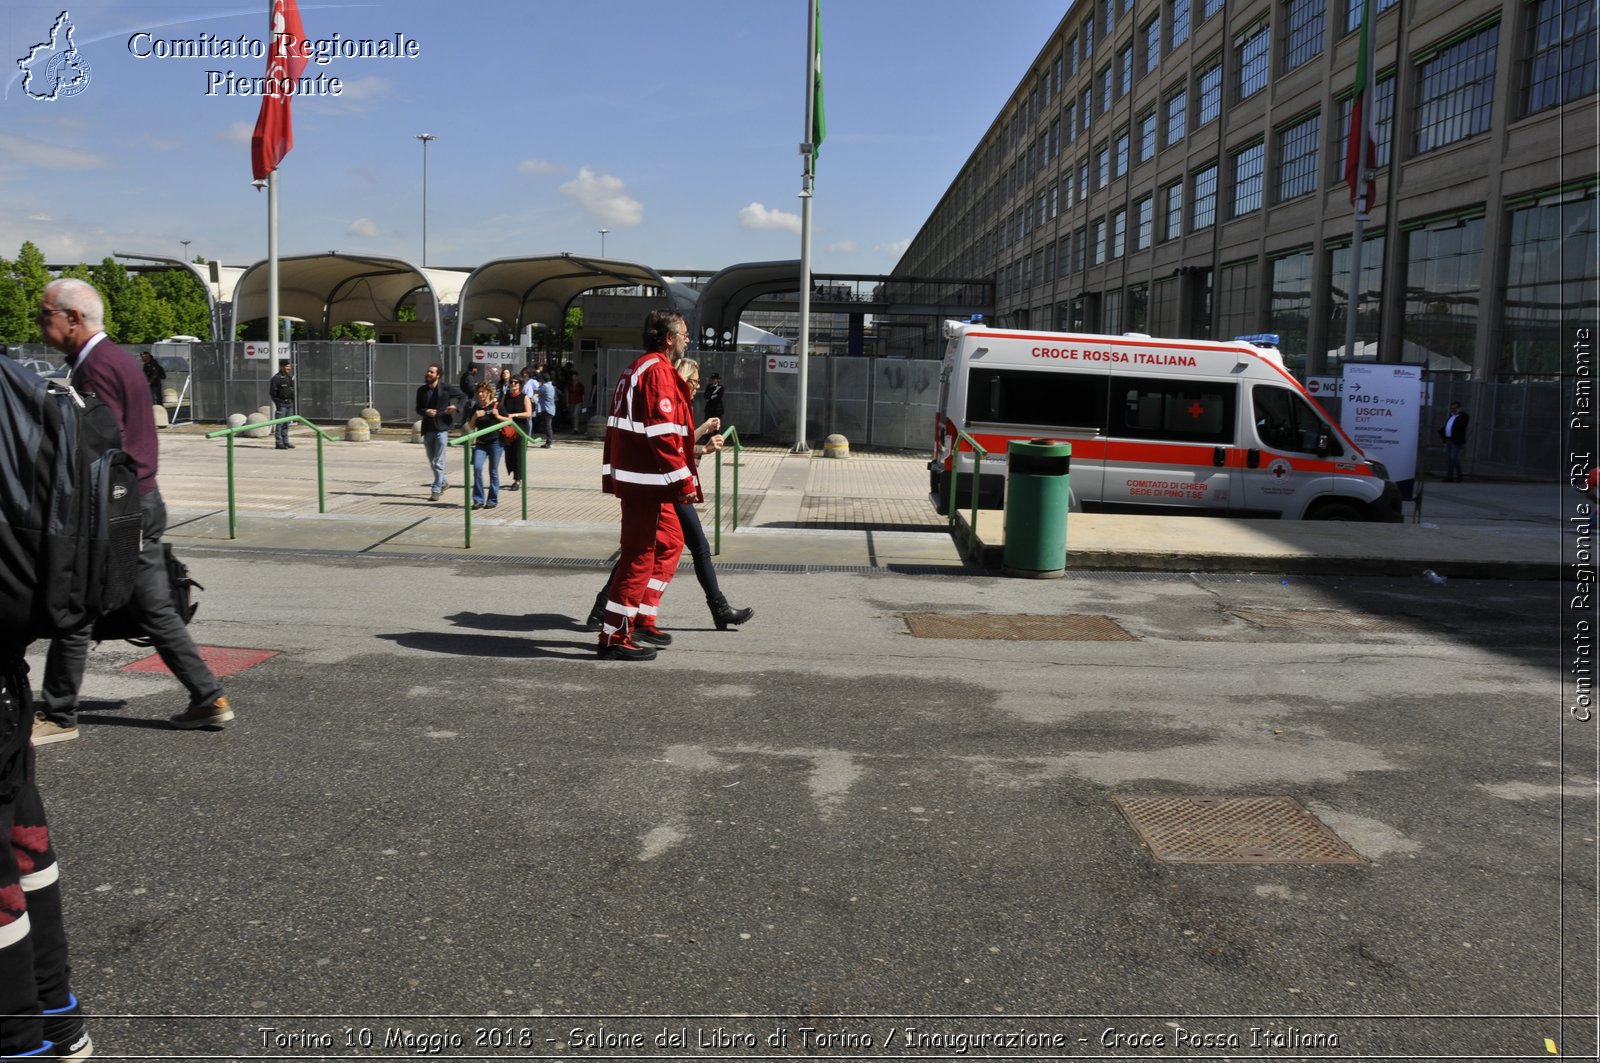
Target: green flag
(819, 121)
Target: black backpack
(128, 622)
(70, 525)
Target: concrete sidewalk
(870, 510)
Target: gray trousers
(63, 666)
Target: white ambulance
(1156, 426)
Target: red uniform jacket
(649, 448)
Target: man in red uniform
(649, 465)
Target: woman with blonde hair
(485, 411)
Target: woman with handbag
(484, 412)
(519, 407)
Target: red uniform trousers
(652, 543)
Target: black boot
(725, 614)
(597, 615)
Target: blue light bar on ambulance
(1260, 339)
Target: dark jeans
(280, 432)
(63, 666)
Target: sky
(676, 127)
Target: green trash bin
(1037, 493)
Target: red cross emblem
(1195, 410)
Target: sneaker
(492, 505)
(218, 712)
(651, 637)
(626, 651)
(64, 1028)
(46, 732)
(434, 497)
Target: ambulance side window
(1285, 421)
(1180, 410)
(1049, 400)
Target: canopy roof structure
(335, 289)
(519, 292)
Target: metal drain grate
(1319, 620)
(1233, 830)
(1017, 627)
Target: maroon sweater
(117, 378)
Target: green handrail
(230, 433)
(461, 441)
(731, 435)
(950, 504)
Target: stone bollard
(236, 420)
(161, 416)
(169, 397)
(257, 418)
(373, 418)
(356, 430)
(416, 431)
(836, 446)
(265, 412)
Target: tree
(30, 274)
(191, 310)
(16, 315)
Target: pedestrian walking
(438, 404)
(1454, 434)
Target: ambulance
(1159, 426)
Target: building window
(1088, 37)
(1086, 109)
(1119, 234)
(1083, 182)
(1248, 167)
(1152, 45)
(1177, 116)
(1147, 136)
(1236, 283)
(1097, 242)
(1164, 308)
(1442, 289)
(1119, 160)
(1204, 213)
(1289, 309)
(1552, 266)
(1297, 158)
(1112, 322)
(1102, 166)
(1210, 102)
(1180, 22)
(1124, 71)
(1172, 211)
(1368, 302)
(1105, 89)
(1383, 125)
(1352, 12)
(1143, 223)
(1455, 94)
(1050, 263)
(1304, 21)
(1561, 54)
(1070, 55)
(1209, 8)
(1255, 54)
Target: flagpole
(272, 267)
(1364, 166)
(808, 152)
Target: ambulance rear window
(1180, 410)
(1047, 400)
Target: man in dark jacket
(1454, 434)
(282, 391)
(437, 404)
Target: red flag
(1361, 145)
(286, 60)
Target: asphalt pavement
(882, 820)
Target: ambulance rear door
(1172, 446)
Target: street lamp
(186, 244)
(603, 242)
(425, 137)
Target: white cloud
(533, 167)
(363, 227)
(237, 133)
(49, 156)
(604, 198)
(40, 217)
(894, 247)
(756, 216)
(844, 247)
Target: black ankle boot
(597, 615)
(725, 614)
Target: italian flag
(1361, 124)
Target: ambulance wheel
(1337, 511)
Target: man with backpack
(71, 315)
